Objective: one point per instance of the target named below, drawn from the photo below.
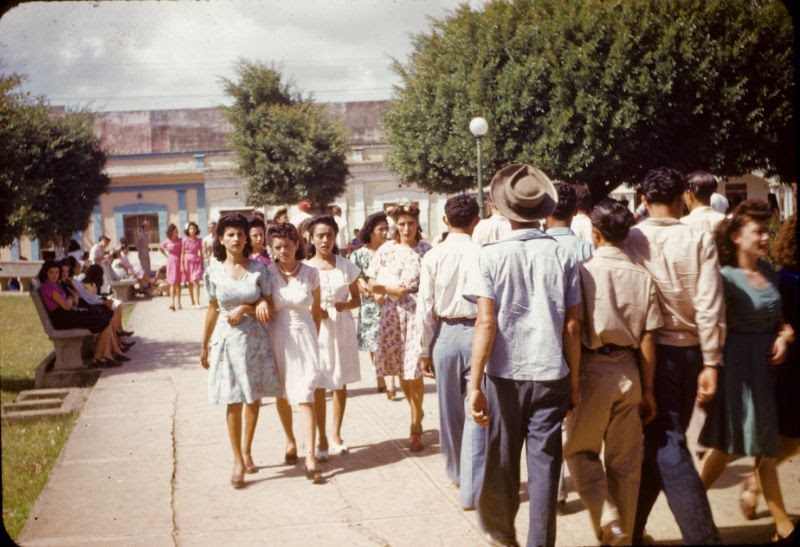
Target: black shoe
(121, 358)
(128, 345)
(96, 363)
(125, 333)
(111, 363)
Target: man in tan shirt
(619, 313)
(684, 266)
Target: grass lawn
(29, 448)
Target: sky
(112, 55)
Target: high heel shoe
(314, 475)
(290, 458)
(339, 448)
(322, 455)
(237, 481)
(172, 308)
(120, 357)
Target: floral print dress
(369, 313)
(397, 351)
(242, 368)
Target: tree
(287, 148)
(598, 92)
(51, 168)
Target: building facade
(175, 166)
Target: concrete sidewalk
(149, 463)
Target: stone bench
(68, 343)
(24, 270)
(122, 289)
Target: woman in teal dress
(235, 348)
(742, 419)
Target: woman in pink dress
(394, 271)
(172, 248)
(192, 262)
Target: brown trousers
(607, 420)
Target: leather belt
(458, 320)
(606, 349)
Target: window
(132, 222)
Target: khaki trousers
(607, 420)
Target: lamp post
(479, 127)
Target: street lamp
(479, 127)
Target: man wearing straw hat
(527, 342)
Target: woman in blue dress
(235, 347)
(742, 418)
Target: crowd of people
(577, 329)
(586, 333)
(74, 299)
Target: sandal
(314, 475)
(237, 481)
(415, 442)
(748, 501)
(290, 458)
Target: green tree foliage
(287, 148)
(598, 92)
(51, 168)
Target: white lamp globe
(478, 127)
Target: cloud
(129, 55)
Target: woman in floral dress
(192, 262)
(235, 348)
(394, 272)
(372, 236)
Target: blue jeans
(461, 440)
(529, 412)
(667, 463)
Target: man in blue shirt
(559, 221)
(527, 340)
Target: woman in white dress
(338, 343)
(237, 356)
(293, 334)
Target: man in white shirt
(208, 241)
(581, 223)
(344, 233)
(446, 323)
(491, 229)
(101, 255)
(697, 197)
(302, 214)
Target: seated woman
(92, 282)
(71, 269)
(65, 314)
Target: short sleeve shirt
(619, 300)
(532, 280)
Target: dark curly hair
(461, 210)
(171, 228)
(286, 230)
(612, 219)
(94, 276)
(48, 265)
(702, 185)
(663, 185)
(784, 248)
(256, 222)
(406, 210)
(755, 210)
(583, 198)
(567, 200)
(232, 220)
(189, 225)
(325, 220)
(370, 224)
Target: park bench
(24, 270)
(122, 289)
(68, 343)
